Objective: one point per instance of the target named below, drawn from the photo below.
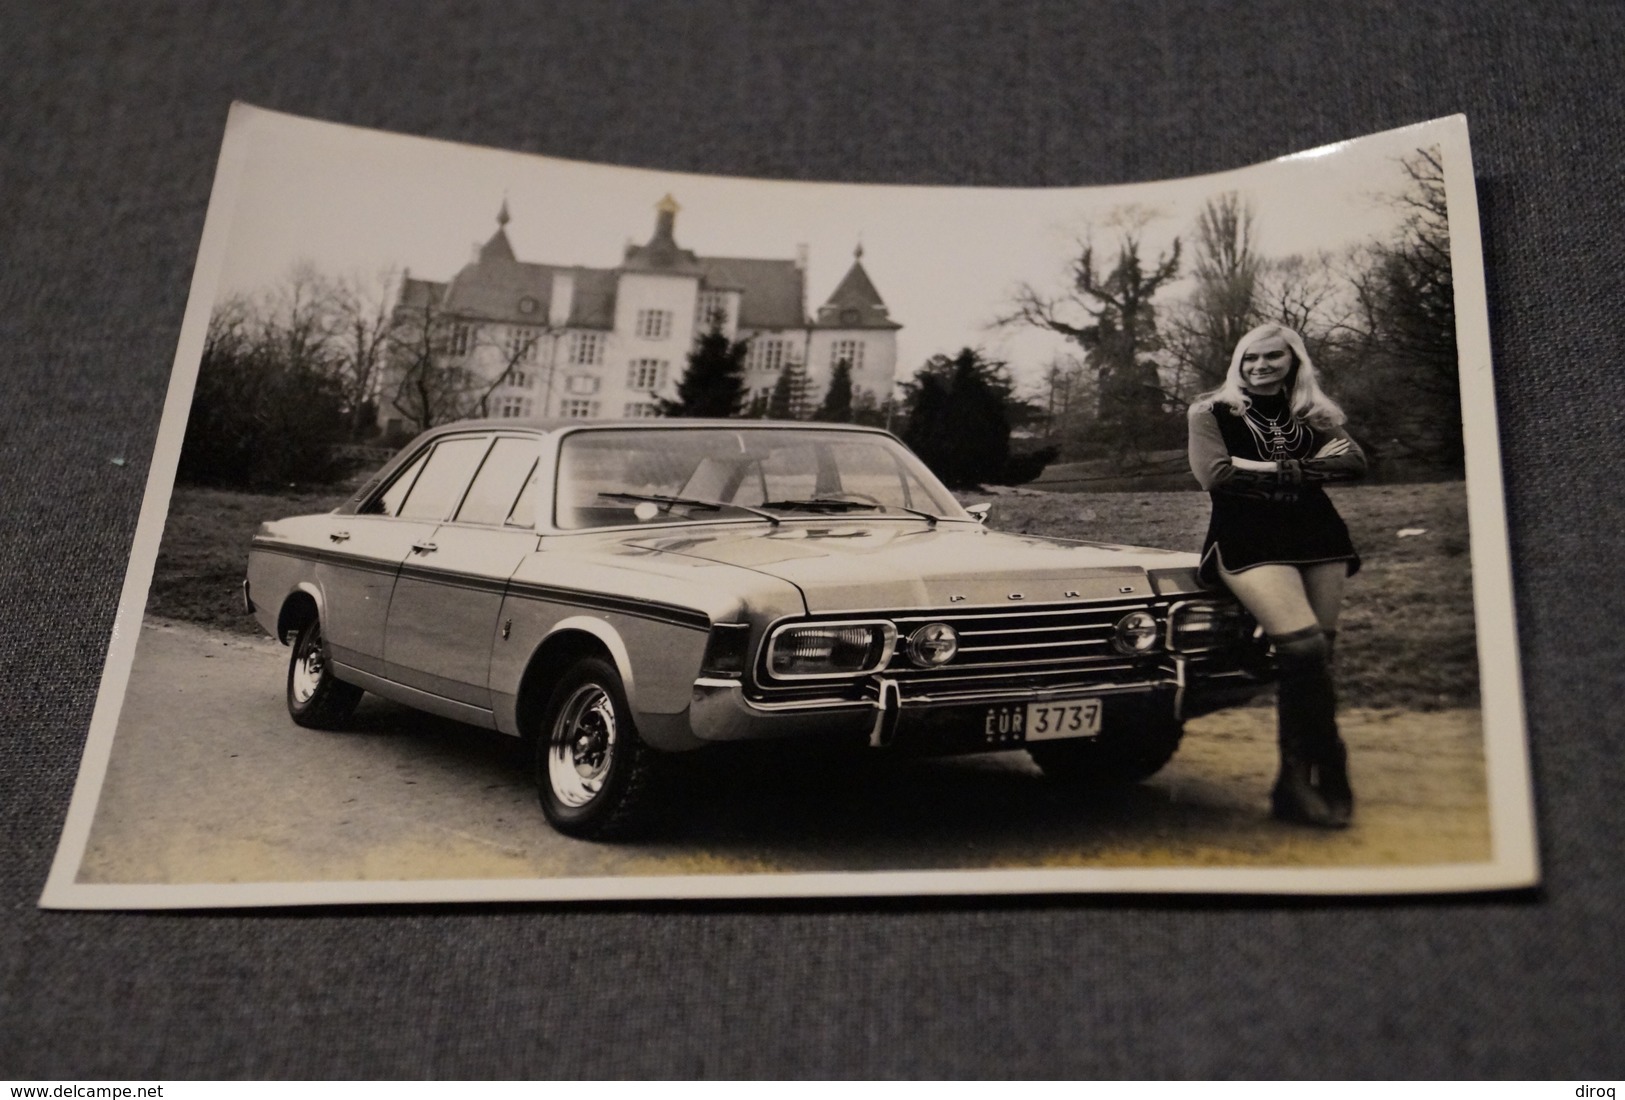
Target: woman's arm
(1338, 459)
(1215, 469)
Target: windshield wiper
(843, 505)
(691, 502)
(929, 517)
(837, 504)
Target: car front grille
(1042, 647)
(1047, 645)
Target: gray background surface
(111, 117)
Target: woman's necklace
(1278, 437)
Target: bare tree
(296, 320)
(1068, 397)
(1406, 294)
(1224, 304)
(362, 316)
(446, 367)
(1111, 314)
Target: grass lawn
(1407, 635)
(204, 553)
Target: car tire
(1120, 755)
(316, 698)
(593, 772)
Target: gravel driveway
(209, 781)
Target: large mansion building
(545, 340)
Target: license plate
(1054, 720)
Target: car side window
(524, 509)
(441, 483)
(389, 503)
(496, 487)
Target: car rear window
(491, 498)
(449, 467)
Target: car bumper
(720, 710)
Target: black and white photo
(532, 529)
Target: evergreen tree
(789, 398)
(837, 404)
(957, 418)
(713, 384)
(870, 411)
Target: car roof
(555, 424)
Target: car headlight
(1135, 632)
(932, 645)
(1201, 626)
(812, 650)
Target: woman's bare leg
(1323, 584)
(1277, 597)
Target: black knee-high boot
(1332, 757)
(1307, 710)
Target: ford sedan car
(614, 593)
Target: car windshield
(620, 477)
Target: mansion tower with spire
(544, 340)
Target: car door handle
(339, 536)
(424, 548)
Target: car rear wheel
(317, 698)
(593, 772)
(1122, 753)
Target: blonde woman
(1262, 445)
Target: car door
(443, 616)
(356, 571)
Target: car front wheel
(1123, 753)
(593, 772)
(317, 698)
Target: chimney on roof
(665, 222)
(563, 300)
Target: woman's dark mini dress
(1281, 517)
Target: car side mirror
(979, 511)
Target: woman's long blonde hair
(1308, 401)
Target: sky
(945, 259)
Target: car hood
(843, 566)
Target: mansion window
(521, 345)
(710, 303)
(459, 339)
(518, 379)
(586, 348)
(850, 350)
(511, 407)
(646, 374)
(654, 324)
(640, 410)
(581, 384)
(578, 408)
(767, 354)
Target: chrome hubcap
(308, 666)
(581, 746)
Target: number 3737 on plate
(1047, 721)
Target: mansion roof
(498, 286)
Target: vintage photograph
(532, 529)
